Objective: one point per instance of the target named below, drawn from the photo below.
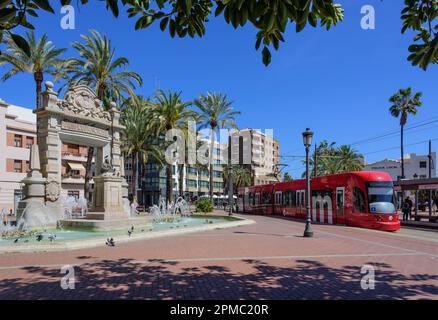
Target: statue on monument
(107, 167)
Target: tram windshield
(381, 197)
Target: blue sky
(336, 82)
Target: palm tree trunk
(38, 76)
(134, 183)
(181, 179)
(211, 163)
(402, 152)
(169, 184)
(88, 172)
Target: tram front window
(381, 197)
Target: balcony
(73, 156)
(72, 178)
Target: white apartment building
(416, 167)
(260, 152)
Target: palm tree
(403, 104)
(215, 111)
(135, 116)
(170, 112)
(349, 159)
(332, 160)
(99, 68)
(44, 58)
(241, 176)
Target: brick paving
(266, 260)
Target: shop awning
(75, 166)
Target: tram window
(285, 200)
(339, 199)
(293, 199)
(251, 198)
(359, 200)
(257, 199)
(267, 198)
(278, 198)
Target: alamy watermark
(68, 281)
(367, 281)
(68, 19)
(368, 21)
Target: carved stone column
(49, 143)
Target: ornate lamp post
(307, 140)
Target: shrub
(204, 205)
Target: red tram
(357, 199)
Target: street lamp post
(307, 140)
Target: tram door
(340, 205)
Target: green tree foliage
(137, 136)
(43, 58)
(241, 176)
(332, 159)
(287, 177)
(419, 16)
(170, 112)
(188, 17)
(270, 18)
(204, 205)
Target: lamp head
(307, 137)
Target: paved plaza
(265, 260)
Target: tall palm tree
(170, 112)
(403, 104)
(215, 112)
(44, 59)
(136, 116)
(98, 67)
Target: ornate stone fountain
(79, 118)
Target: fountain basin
(96, 225)
(73, 240)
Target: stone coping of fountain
(231, 222)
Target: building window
(128, 166)
(191, 183)
(18, 166)
(17, 141)
(217, 174)
(29, 142)
(423, 164)
(217, 185)
(423, 176)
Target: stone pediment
(81, 100)
(79, 103)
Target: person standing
(406, 208)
